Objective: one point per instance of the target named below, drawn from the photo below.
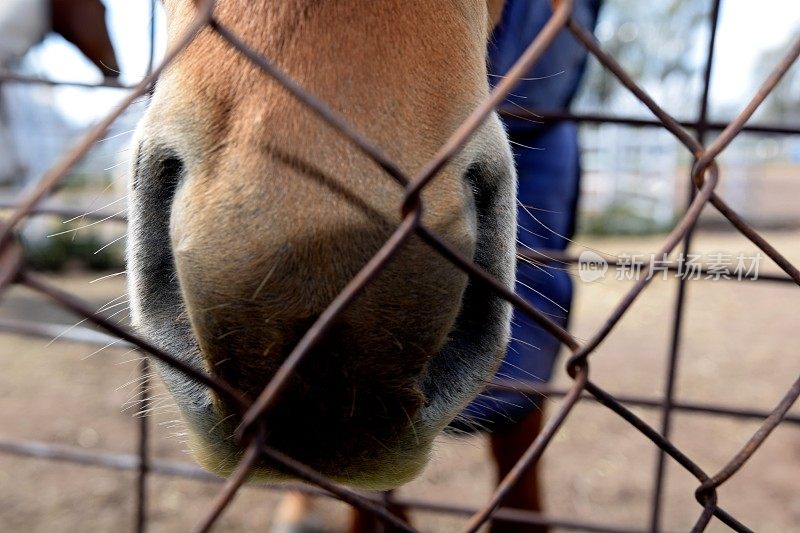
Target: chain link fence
(704, 176)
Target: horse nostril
(157, 173)
(155, 179)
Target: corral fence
(704, 176)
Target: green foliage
(620, 219)
(85, 181)
(74, 249)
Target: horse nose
(254, 277)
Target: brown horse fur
(249, 215)
(83, 23)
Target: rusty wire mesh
(704, 176)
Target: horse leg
(364, 522)
(295, 514)
(508, 445)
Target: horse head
(249, 214)
(83, 23)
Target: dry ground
(740, 348)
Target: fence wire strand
(252, 435)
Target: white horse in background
(23, 24)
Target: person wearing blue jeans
(547, 158)
(548, 166)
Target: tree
(657, 44)
(783, 104)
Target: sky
(747, 27)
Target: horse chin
(387, 466)
(386, 473)
(358, 460)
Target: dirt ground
(740, 348)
